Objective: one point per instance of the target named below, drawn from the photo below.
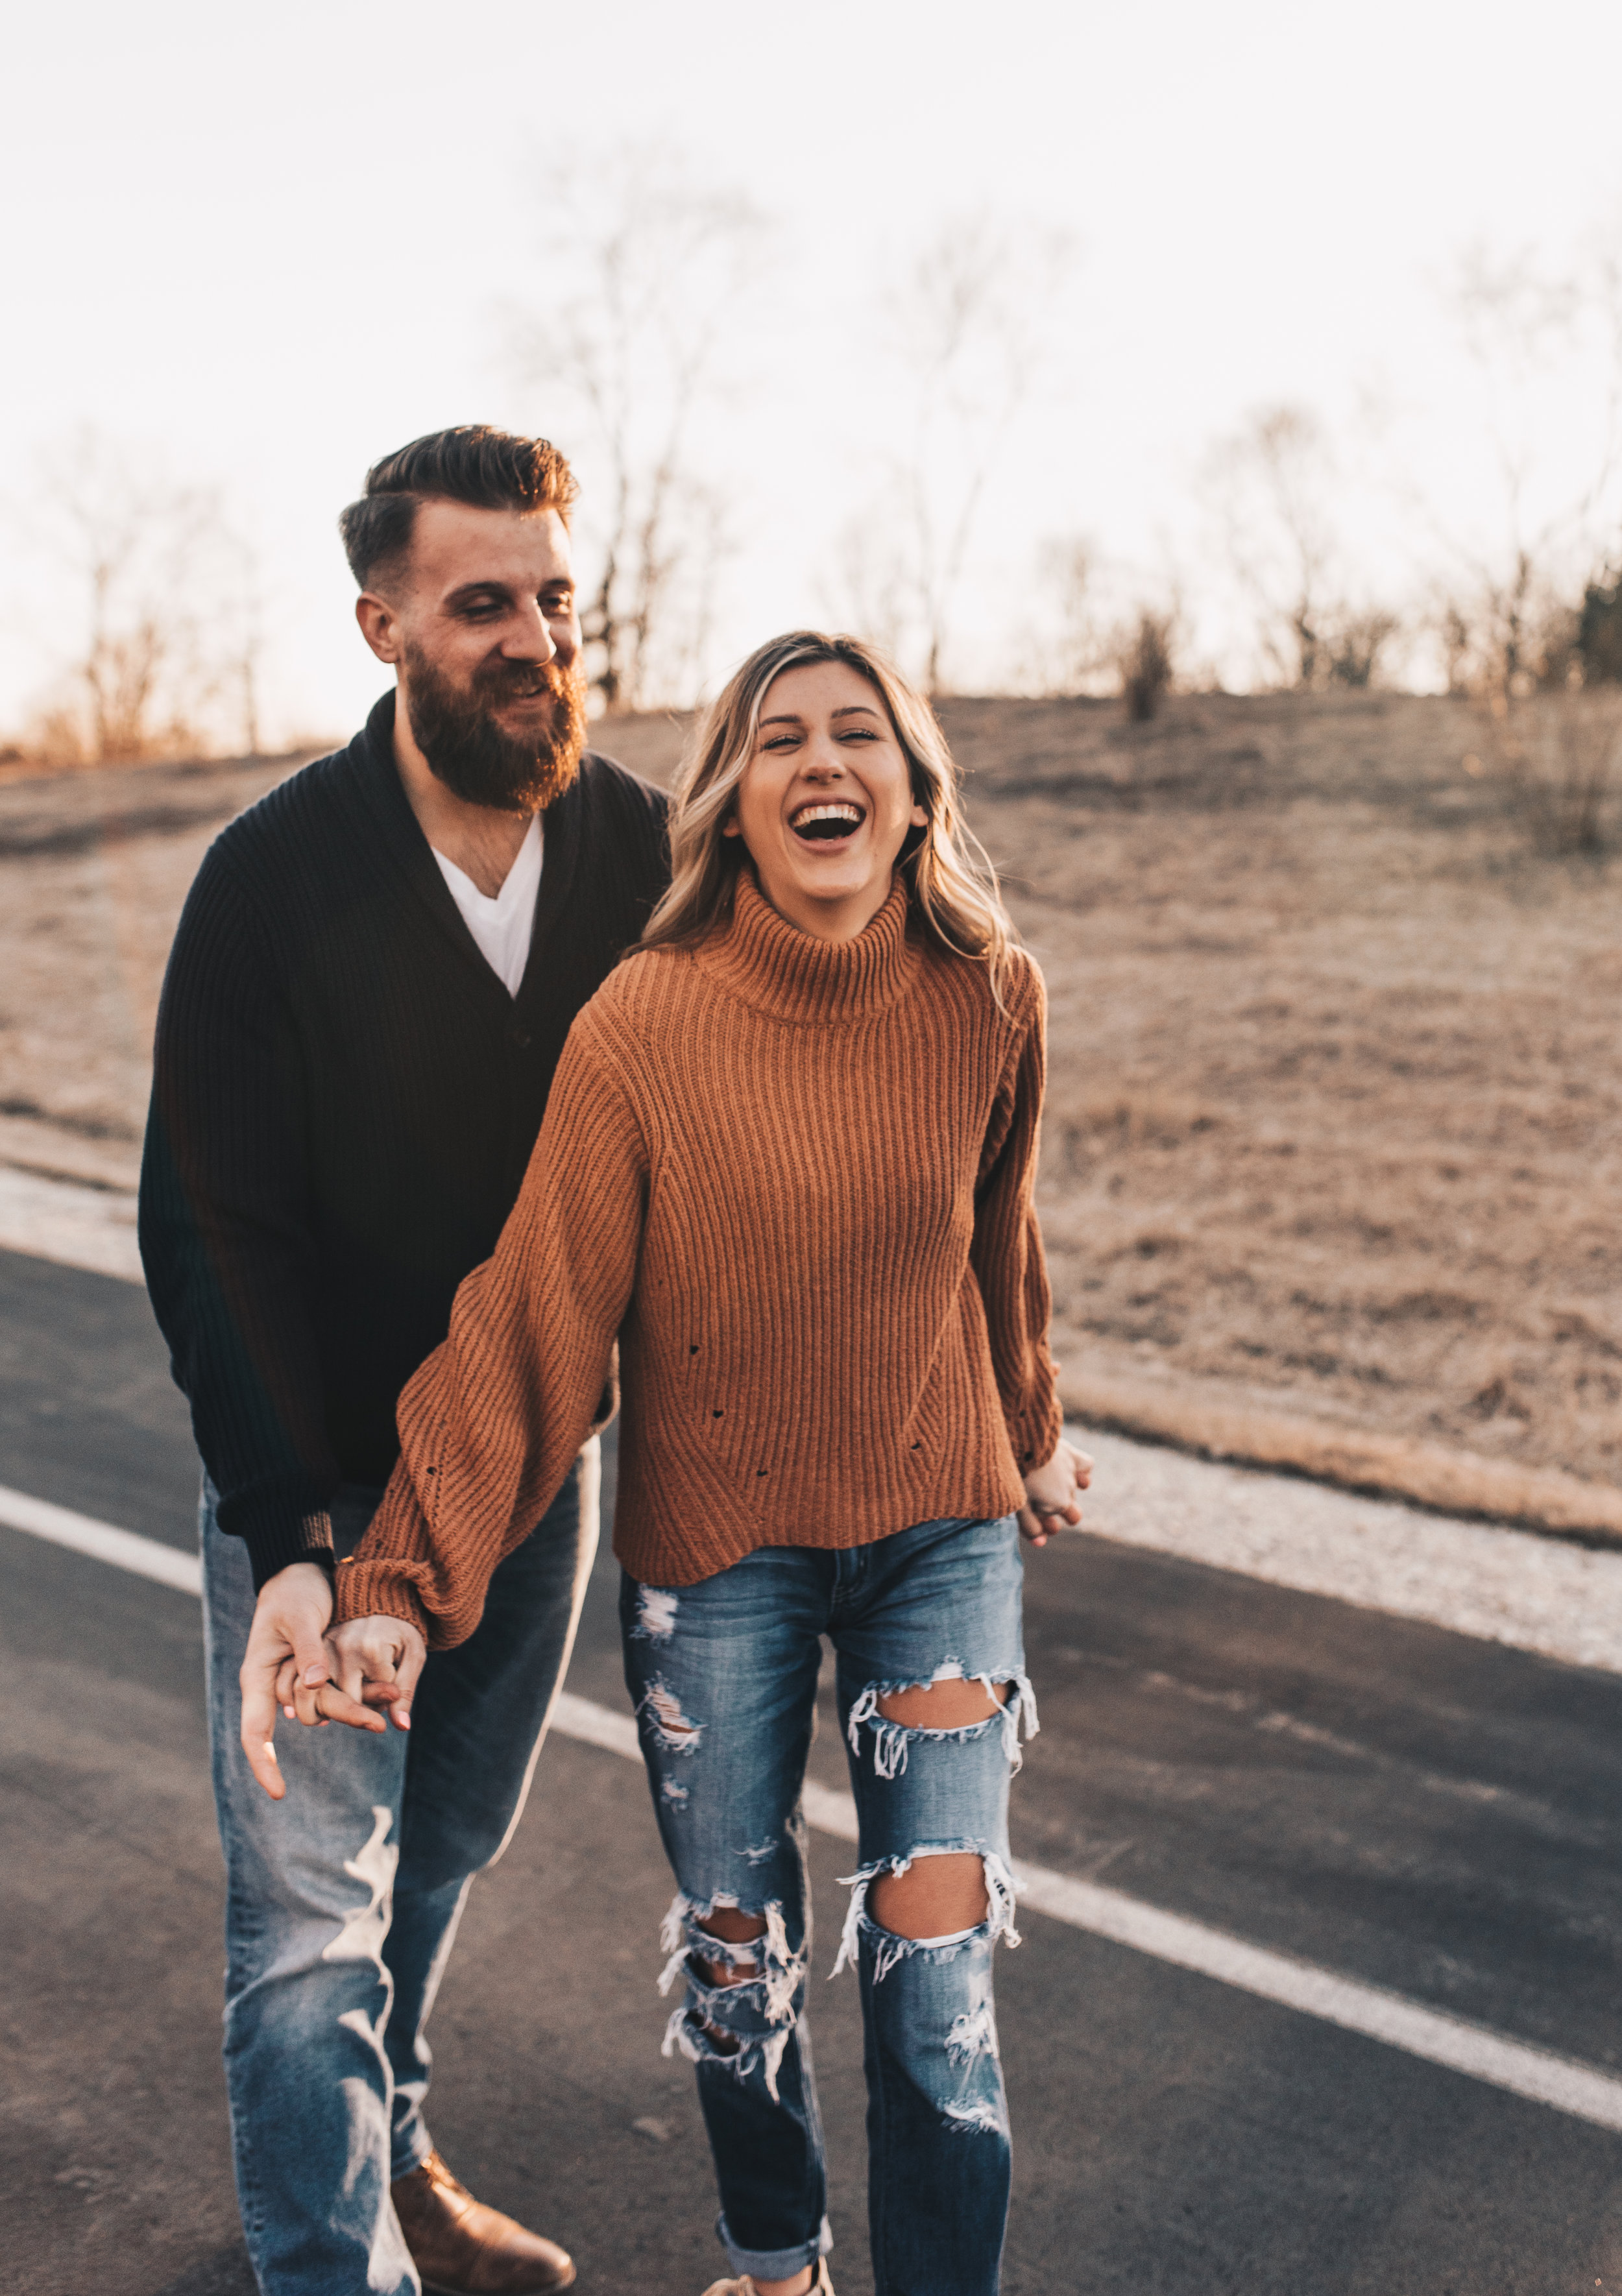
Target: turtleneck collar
(769, 964)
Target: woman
(789, 1160)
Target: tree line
(629, 358)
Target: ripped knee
(730, 1927)
(743, 2000)
(899, 1908)
(933, 1897)
(952, 1704)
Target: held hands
(379, 1660)
(1051, 1495)
(292, 1663)
(288, 1664)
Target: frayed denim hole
(660, 1710)
(762, 2054)
(890, 1947)
(891, 1740)
(656, 1612)
(779, 1970)
(700, 2026)
(974, 2033)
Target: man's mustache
(520, 681)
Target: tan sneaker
(461, 2247)
(821, 2286)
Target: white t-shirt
(504, 927)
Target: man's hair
(493, 470)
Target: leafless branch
(643, 269)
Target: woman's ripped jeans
(724, 1677)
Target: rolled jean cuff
(406, 2159)
(773, 2263)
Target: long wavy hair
(951, 883)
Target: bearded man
(369, 991)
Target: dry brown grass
(1335, 1128)
(93, 867)
(1336, 1113)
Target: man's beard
(458, 732)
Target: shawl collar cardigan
(345, 1098)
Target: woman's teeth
(826, 821)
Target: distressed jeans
(342, 1899)
(723, 1675)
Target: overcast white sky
(271, 245)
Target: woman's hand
(1051, 1494)
(288, 1663)
(378, 1661)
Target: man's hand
(378, 1661)
(287, 1662)
(1051, 1499)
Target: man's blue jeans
(722, 1674)
(342, 1899)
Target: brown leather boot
(821, 2286)
(461, 2248)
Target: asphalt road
(1402, 1805)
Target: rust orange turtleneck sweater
(795, 1177)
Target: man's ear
(380, 625)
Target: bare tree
(1099, 626)
(643, 272)
(968, 321)
(1559, 755)
(870, 578)
(142, 553)
(1274, 486)
(1356, 645)
(1599, 628)
(1068, 650)
(1271, 485)
(1504, 590)
(1146, 659)
(240, 639)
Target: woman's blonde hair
(950, 881)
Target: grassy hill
(1335, 1122)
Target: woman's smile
(827, 823)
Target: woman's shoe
(821, 2286)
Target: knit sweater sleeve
(225, 1236)
(1007, 1254)
(490, 1423)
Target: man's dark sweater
(344, 1102)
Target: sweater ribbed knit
(344, 1103)
(796, 1178)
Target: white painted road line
(1570, 2086)
(1563, 1601)
(1486, 2055)
(148, 1558)
(48, 1218)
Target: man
(368, 994)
